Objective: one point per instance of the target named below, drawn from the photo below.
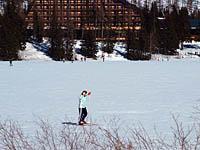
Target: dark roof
(127, 4)
(124, 1)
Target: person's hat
(84, 91)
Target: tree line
(163, 30)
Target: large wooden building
(98, 15)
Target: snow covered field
(135, 92)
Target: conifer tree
(171, 33)
(174, 27)
(69, 41)
(190, 5)
(108, 44)
(145, 28)
(134, 47)
(89, 46)
(68, 47)
(131, 45)
(184, 25)
(37, 27)
(109, 35)
(57, 49)
(69, 36)
(12, 36)
(154, 28)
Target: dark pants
(82, 113)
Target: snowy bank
(32, 53)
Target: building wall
(87, 14)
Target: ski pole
(80, 113)
(90, 109)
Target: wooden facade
(98, 15)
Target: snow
(146, 92)
(115, 56)
(161, 18)
(119, 49)
(190, 51)
(190, 48)
(135, 92)
(32, 53)
(165, 3)
(37, 51)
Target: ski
(76, 124)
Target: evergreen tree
(184, 25)
(69, 41)
(2, 51)
(162, 27)
(109, 33)
(69, 35)
(108, 44)
(101, 19)
(12, 37)
(171, 40)
(137, 42)
(190, 5)
(131, 44)
(174, 28)
(154, 28)
(145, 28)
(57, 49)
(134, 47)
(37, 27)
(89, 46)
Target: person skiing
(82, 106)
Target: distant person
(84, 58)
(82, 107)
(11, 64)
(103, 57)
(167, 58)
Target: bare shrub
(12, 137)
(46, 138)
(108, 137)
